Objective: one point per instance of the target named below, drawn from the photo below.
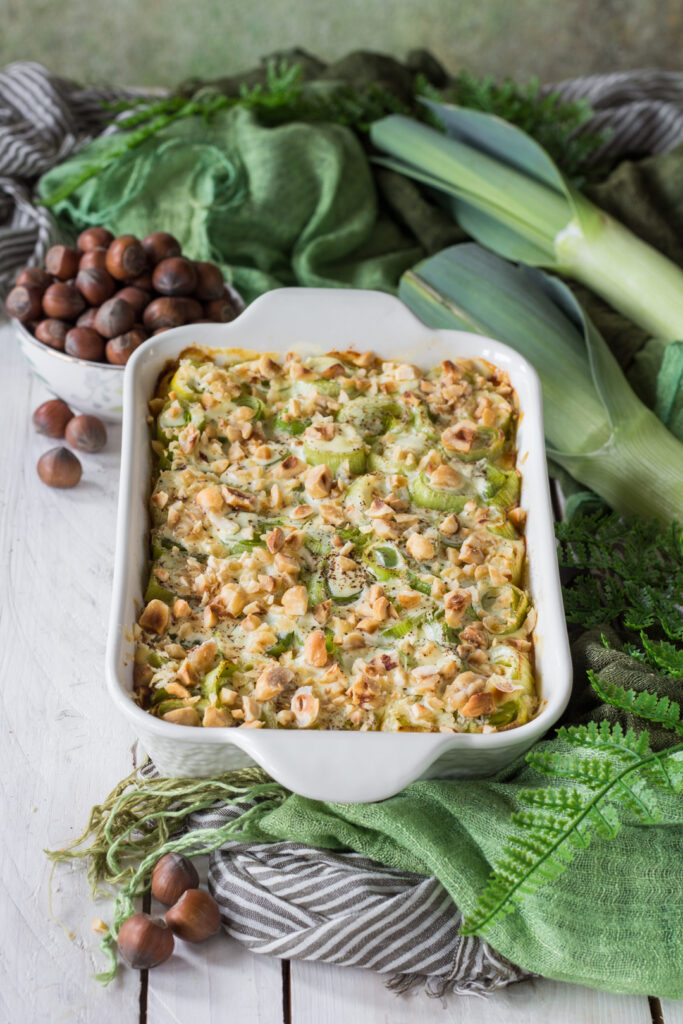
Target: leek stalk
(506, 192)
(595, 426)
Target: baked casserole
(336, 543)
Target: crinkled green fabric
(295, 204)
(613, 920)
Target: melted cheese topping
(336, 544)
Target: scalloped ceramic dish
(341, 766)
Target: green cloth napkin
(613, 920)
(291, 205)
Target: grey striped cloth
(43, 120)
(296, 902)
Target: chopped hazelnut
(210, 498)
(445, 476)
(272, 680)
(202, 657)
(459, 437)
(181, 609)
(289, 467)
(450, 525)
(321, 612)
(305, 707)
(216, 718)
(286, 564)
(295, 601)
(456, 602)
(419, 547)
(319, 481)
(155, 617)
(182, 716)
(315, 651)
(478, 704)
(275, 540)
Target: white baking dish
(339, 766)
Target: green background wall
(148, 42)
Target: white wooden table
(64, 747)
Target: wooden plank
(337, 996)
(671, 1012)
(217, 980)
(62, 749)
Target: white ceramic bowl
(94, 388)
(341, 766)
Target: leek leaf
(506, 192)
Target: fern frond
(544, 846)
(561, 799)
(663, 655)
(644, 704)
(587, 771)
(634, 795)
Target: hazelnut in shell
(138, 298)
(53, 333)
(210, 284)
(143, 281)
(24, 302)
(62, 261)
(220, 310)
(51, 417)
(94, 259)
(88, 318)
(119, 350)
(59, 467)
(145, 941)
(195, 917)
(84, 343)
(160, 246)
(175, 277)
(63, 301)
(35, 276)
(126, 258)
(95, 285)
(86, 433)
(171, 312)
(94, 238)
(114, 317)
(172, 875)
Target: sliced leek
(501, 486)
(507, 193)
(370, 416)
(443, 499)
(482, 443)
(384, 561)
(345, 446)
(503, 609)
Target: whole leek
(507, 193)
(595, 426)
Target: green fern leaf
(561, 799)
(644, 704)
(544, 846)
(663, 655)
(588, 771)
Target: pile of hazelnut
(100, 301)
(146, 941)
(59, 467)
